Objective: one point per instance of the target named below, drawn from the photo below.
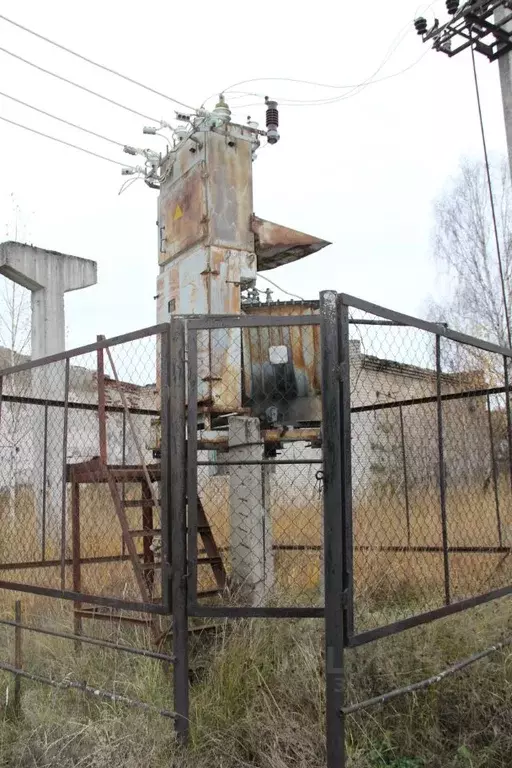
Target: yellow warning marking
(178, 213)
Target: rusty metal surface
(216, 440)
(230, 204)
(276, 245)
(183, 213)
(300, 399)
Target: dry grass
(257, 699)
(380, 577)
(258, 686)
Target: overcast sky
(362, 172)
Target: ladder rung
(209, 560)
(138, 503)
(149, 566)
(204, 529)
(208, 592)
(138, 532)
(91, 614)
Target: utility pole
(485, 25)
(503, 18)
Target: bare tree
(465, 249)
(466, 253)
(15, 334)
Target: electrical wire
(128, 183)
(82, 87)
(61, 141)
(61, 120)
(355, 92)
(372, 79)
(287, 293)
(491, 195)
(96, 64)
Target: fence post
(76, 556)
(494, 472)
(333, 530)
(64, 478)
(45, 474)
(176, 441)
(406, 485)
(18, 657)
(102, 413)
(442, 473)
(509, 416)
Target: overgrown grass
(257, 699)
(257, 690)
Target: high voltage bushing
(272, 121)
(452, 6)
(420, 25)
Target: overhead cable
(96, 64)
(356, 90)
(61, 141)
(62, 120)
(287, 293)
(82, 87)
(358, 87)
(491, 196)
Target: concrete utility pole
(211, 247)
(48, 275)
(503, 18)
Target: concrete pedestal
(252, 557)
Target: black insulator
(420, 25)
(452, 6)
(272, 116)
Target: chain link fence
(255, 461)
(77, 437)
(431, 471)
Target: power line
(62, 120)
(61, 141)
(358, 87)
(82, 87)
(96, 64)
(356, 90)
(491, 195)
(287, 293)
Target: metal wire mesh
(431, 482)
(257, 461)
(66, 429)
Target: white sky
(362, 173)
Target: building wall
(18, 443)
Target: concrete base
(252, 558)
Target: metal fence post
(102, 414)
(178, 505)
(442, 474)
(406, 484)
(64, 478)
(18, 657)
(494, 472)
(333, 533)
